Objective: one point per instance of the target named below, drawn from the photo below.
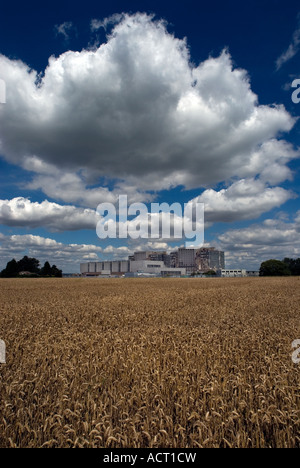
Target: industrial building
(150, 255)
(124, 267)
(234, 273)
(159, 263)
(116, 267)
(155, 267)
(179, 263)
(186, 259)
(237, 273)
(209, 259)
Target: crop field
(160, 363)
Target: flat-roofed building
(156, 268)
(115, 266)
(208, 258)
(84, 268)
(173, 272)
(124, 266)
(92, 267)
(104, 268)
(148, 266)
(99, 267)
(150, 255)
(253, 273)
(186, 259)
(233, 273)
(139, 256)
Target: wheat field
(159, 363)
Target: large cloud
(21, 212)
(274, 238)
(138, 110)
(244, 200)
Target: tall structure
(186, 259)
(209, 259)
(173, 259)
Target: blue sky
(161, 101)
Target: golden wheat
(149, 363)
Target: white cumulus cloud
(243, 200)
(22, 212)
(138, 111)
(274, 238)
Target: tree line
(286, 267)
(29, 267)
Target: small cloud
(292, 49)
(91, 256)
(64, 29)
(111, 20)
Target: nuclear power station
(160, 263)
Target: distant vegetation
(287, 267)
(29, 267)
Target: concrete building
(209, 259)
(253, 273)
(139, 256)
(173, 272)
(92, 267)
(237, 273)
(124, 266)
(116, 267)
(84, 268)
(150, 255)
(148, 266)
(155, 268)
(173, 260)
(186, 259)
(232, 273)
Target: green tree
(11, 270)
(274, 268)
(46, 270)
(29, 264)
(293, 265)
(32, 265)
(56, 272)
